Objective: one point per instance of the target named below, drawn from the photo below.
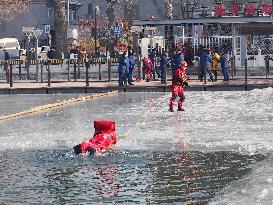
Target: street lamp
(97, 11)
(35, 33)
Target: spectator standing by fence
(205, 60)
(224, 65)
(51, 54)
(131, 66)
(122, 69)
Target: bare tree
(9, 8)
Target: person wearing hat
(215, 61)
(179, 81)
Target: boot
(180, 109)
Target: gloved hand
(77, 149)
(92, 151)
(185, 83)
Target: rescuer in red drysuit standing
(104, 137)
(179, 81)
(147, 68)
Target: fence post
(10, 75)
(109, 69)
(48, 75)
(20, 71)
(79, 69)
(154, 64)
(246, 74)
(75, 71)
(165, 73)
(205, 76)
(87, 66)
(99, 68)
(266, 66)
(42, 71)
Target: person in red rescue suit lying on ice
(104, 137)
(148, 68)
(179, 81)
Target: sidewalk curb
(84, 89)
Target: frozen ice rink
(219, 151)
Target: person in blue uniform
(178, 59)
(163, 59)
(152, 57)
(205, 61)
(122, 69)
(131, 66)
(224, 65)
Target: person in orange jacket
(104, 137)
(179, 81)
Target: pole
(246, 74)
(68, 15)
(42, 72)
(27, 63)
(48, 75)
(109, 69)
(99, 68)
(75, 70)
(10, 75)
(20, 71)
(87, 65)
(36, 59)
(68, 69)
(95, 34)
(79, 69)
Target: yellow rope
(144, 116)
(55, 105)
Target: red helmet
(184, 64)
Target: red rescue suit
(104, 137)
(148, 68)
(178, 82)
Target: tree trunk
(60, 26)
(110, 12)
(169, 9)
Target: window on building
(90, 10)
(73, 15)
(49, 12)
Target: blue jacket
(163, 59)
(131, 61)
(224, 62)
(123, 63)
(205, 59)
(178, 58)
(152, 56)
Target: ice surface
(240, 122)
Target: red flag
(234, 9)
(266, 9)
(220, 10)
(250, 9)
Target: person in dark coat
(131, 66)
(51, 54)
(163, 59)
(122, 69)
(224, 65)
(205, 61)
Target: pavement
(95, 86)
